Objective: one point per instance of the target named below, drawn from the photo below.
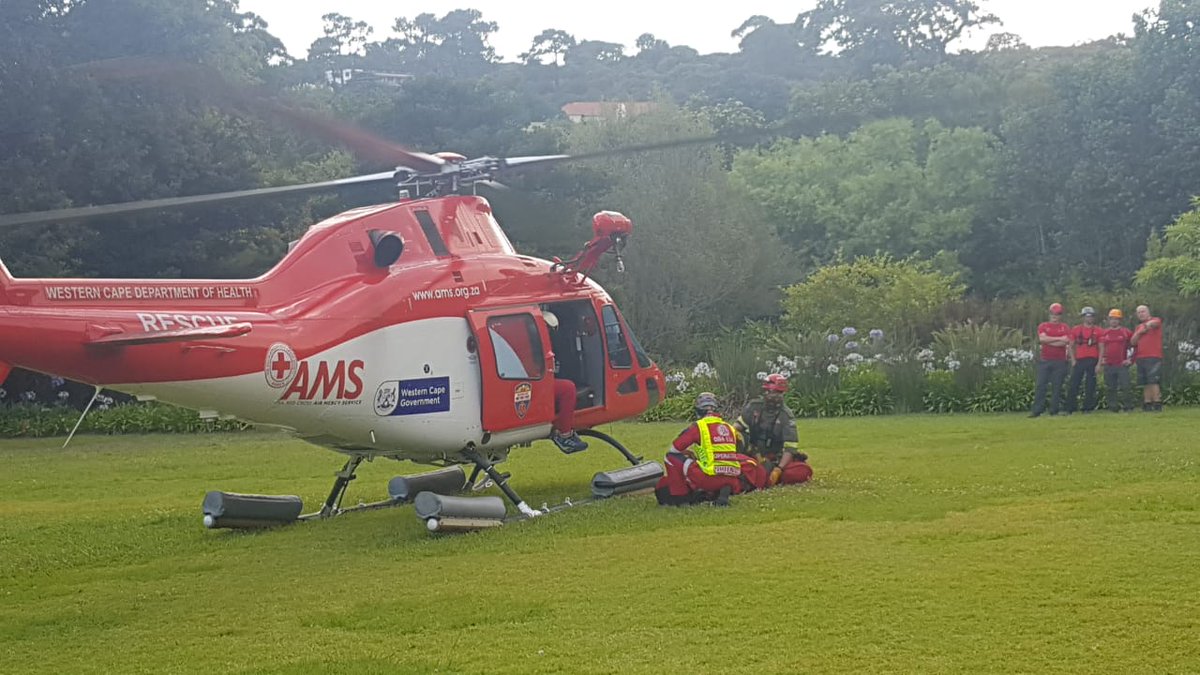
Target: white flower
(952, 365)
(1192, 366)
(785, 373)
(761, 375)
(990, 362)
(702, 369)
(64, 395)
(28, 396)
(925, 355)
(789, 364)
(682, 387)
(1186, 347)
(3, 392)
(833, 369)
(854, 357)
(780, 359)
(831, 338)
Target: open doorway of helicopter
(578, 349)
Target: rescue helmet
(1056, 308)
(706, 402)
(775, 383)
(1116, 314)
(1087, 311)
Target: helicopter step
(231, 510)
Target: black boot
(723, 496)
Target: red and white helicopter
(410, 330)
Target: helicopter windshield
(614, 338)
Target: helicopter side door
(515, 366)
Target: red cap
(1056, 308)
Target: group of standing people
(1089, 350)
(713, 459)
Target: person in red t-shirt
(1114, 357)
(1053, 335)
(1147, 343)
(1084, 352)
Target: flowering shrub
(35, 421)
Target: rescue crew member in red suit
(769, 430)
(703, 463)
(563, 432)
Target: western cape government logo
(522, 395)
(280, 366)
(413, 397)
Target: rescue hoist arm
(610, 230)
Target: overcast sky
(1039, 22)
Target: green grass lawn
(925, 544)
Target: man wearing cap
(1084, 352)
(1147, 341)
(703, 462)
(1114, 355)
(1054, 337)
(769, 429)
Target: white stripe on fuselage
(413, 385)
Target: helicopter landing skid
(443, 513)
(482, 463)
(227, 510)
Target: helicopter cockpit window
(614, 339)
(518, 347)
(643, 360)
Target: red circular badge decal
(280, 366)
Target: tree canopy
(1019, 169)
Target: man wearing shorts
(1147, 341)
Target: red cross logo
(280, 365)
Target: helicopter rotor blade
(210, 85)
(739, 137)
(83, 212)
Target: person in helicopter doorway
(769, 429)
(714, 469)
(562, 432)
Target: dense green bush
(943, 394)
(1005, 391)
(877, 292)
(35, 421)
